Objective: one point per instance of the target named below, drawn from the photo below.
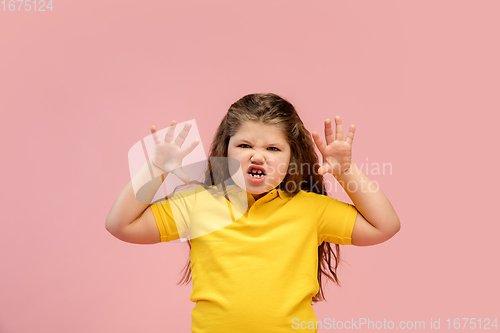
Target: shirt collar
(266, 198)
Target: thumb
(181, 174)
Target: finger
(319, 143)
(183, 134)
(350, 135)
(189, 148)
(340, 133)
(322, 170)
(181, 174)
(169, 136)
(329, 134)
(154, 133)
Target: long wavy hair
(272, 109)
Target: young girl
(262, 271)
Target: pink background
(81, 84)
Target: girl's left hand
(336, 152)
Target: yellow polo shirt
(254, 268)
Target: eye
(273, 148)
(244, 145)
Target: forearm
(369, 200)
(135, 197)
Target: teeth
(256, 173)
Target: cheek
(230, 152)
(286, 163)
(280, 169)
(237, 157)
(233, 154)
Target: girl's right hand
(168, 154)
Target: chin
(254, 189)
(262, 190)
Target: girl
(262, 271)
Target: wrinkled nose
(257, 158)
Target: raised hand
(336, 152)
(168, 154)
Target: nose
(257, 158)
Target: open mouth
(256, 172)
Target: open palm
(168, 154)
(336, 151)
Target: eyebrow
(248, 142)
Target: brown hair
(272, 109)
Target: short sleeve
(336, 221)
(172, 214)
(191, 214)
(165, 221)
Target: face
(264, 154)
